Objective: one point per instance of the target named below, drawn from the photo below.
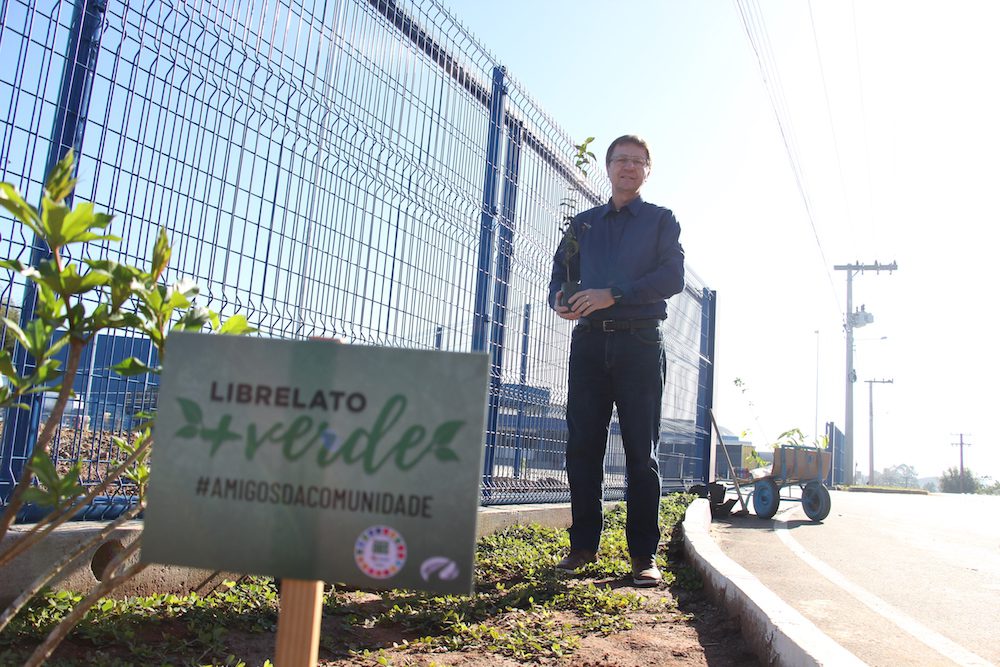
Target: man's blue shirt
(636, 249)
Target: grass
(522, 609)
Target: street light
(865, 340)
(871, 429)
(871, 417)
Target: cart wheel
(765, 498)
(816, 501)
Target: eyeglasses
(622, 160)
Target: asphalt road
(894, 579)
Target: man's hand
(584, 303)
(565, 312)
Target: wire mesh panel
(365, 170)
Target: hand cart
(795, 465)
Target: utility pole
(854, 319)
(871, 430)
(961, 444)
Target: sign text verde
(374, 447)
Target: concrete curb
(778, 634)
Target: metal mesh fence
(341, 168)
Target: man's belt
(617, 325)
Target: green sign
(313, 460)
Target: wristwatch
(617, 294)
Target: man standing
(630, 262)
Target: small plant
(754, 460)
(569, 246)
(796, 438)
(66, 316)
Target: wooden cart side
(793, 463)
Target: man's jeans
(627, 369)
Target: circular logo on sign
(380, 552)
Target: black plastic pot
(568, 290)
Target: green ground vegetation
(954, 480)
(523, 609)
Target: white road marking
(907, 624)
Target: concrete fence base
(82, 575)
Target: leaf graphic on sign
(191, 410)
(189, 431)
(443, 435)
(445, 454)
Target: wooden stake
(298, 623)
(299, 613)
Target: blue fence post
(505, 252)
(21, 430)
(489, 214)
(484, 269)
(835, 444)
(706, 384)
(523, 381)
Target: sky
(870, 135)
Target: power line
(864, 115)
(829, 114)
(750, 15)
